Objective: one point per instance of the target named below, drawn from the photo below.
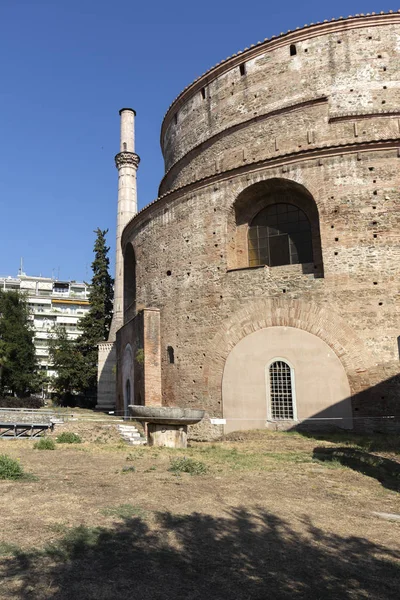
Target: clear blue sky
(67, 68)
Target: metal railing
(58, 415)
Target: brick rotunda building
(263, 283)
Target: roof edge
(299, 34)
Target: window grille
(281, 393)
(280, 234)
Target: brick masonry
(326, 121)
(142, 334)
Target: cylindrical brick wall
(266, 102)
(326, 119)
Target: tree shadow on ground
(243, 556)
(386, 471)
(377, 442)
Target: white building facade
(51, 302)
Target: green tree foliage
(18, 367)
(76, 361)
(66, 358)
(3, 359)
(96, 323)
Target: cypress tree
(96, 323)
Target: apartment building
(51, 302)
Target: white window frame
(268, 389)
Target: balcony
(42, 352)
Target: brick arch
(252, 198)
(271, 312)
(312, 184)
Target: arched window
(275, 222)
(280, 234)
(171, 355)
(129, 283)
(281, 391)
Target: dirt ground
(103, 520)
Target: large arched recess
(259, 196)
(127, 378)
(129, 283)
(321, 389)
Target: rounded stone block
(166, 414)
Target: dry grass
(91, 432)
(264, 521)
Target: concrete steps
(131, 435)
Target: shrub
(14, 402)
(188, 465)
(45, 444)
(140, 356)
(10, 468)
(67, 437)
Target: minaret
(127, 163)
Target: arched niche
(127, 378)
(129, 283)
(321, 390)
(259, 197)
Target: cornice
(283, 160)
(361, 116)
(242, 125)
(300, 34)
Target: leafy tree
(3, 359)
(67, 360)
(18, 367)
(96, 323)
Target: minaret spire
(127, 163)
